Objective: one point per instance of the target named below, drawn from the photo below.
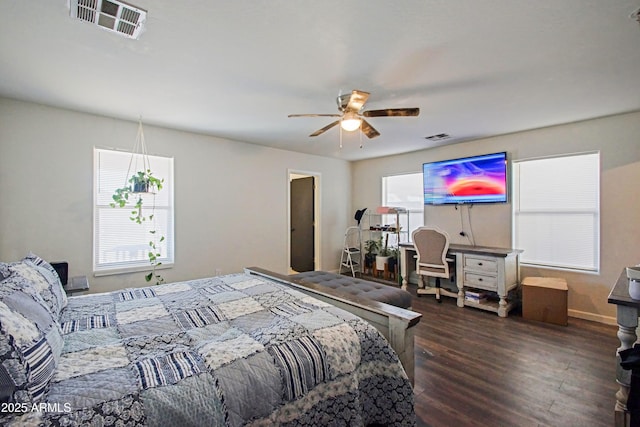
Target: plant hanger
(139, 149)
(141, 181)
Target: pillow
(52, 277)
(30, 343)
(41, 277)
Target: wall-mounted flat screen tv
(477, 179)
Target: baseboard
(608, 320)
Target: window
(121, 244)
(404, 191)
(556, 210)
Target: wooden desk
(627, 312)
(480, 267)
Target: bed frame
(396, 324)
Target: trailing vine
(142, 182)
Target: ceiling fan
(352, 119)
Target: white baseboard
(593, 317)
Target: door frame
(293, 174)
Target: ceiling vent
(111, 15)
(438, 137)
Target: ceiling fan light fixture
(352, 118)
(350, 122)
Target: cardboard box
(545, 299)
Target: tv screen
(477, 179)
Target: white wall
(230, 196)
(618, 140)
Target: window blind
(404, 191)
(557, 211)
(121, 244)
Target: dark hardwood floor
(474, 368)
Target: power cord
(472, 239)
(462, 233)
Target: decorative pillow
(41, 279)
(30, 343)
(52, 277)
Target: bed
(380, 305)
(240, 349)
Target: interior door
(302, 224)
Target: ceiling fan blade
(368, 129)
(314, 115)
(324, 129)
(391, 112)
(356, 100)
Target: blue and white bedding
(228, 350)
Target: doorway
(303, 218)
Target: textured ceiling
(236, 69)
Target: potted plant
(383, 255)
(139, 183)
(370, 247)
(392, 262)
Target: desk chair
(432, 245)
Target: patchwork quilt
(224, 351)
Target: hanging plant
(142, 182)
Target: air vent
(110, 15)
(438, 137)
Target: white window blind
(557, 211)
(404, 191)
(121, 244)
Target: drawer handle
(479, 263)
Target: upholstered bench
(359, 287)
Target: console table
(478, 267)
(627, 312)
